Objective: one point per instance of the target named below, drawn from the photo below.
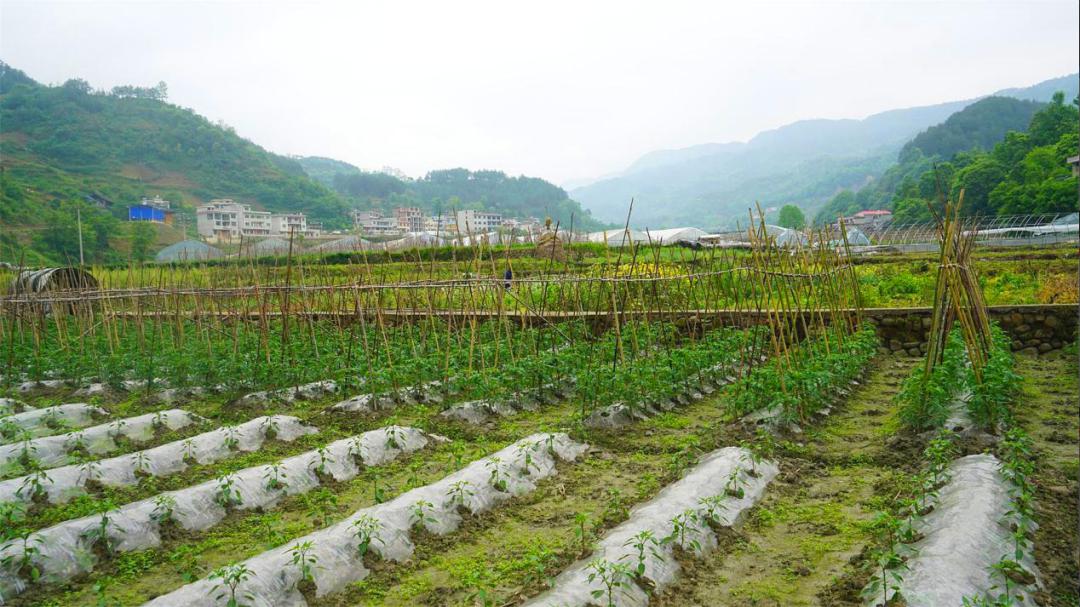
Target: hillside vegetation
(1008, 156)
(444, 191)
(805, 163)
(70, 150)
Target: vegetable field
(438, 437)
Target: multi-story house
(225, 219)
(409, 219)
(478, 222)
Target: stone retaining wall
(1033, 328)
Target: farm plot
(412, 444)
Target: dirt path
(1048, 410)
(799, 540)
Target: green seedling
(164, 507)
(614, 577)
(366, 529)
(228, 580)
(643, 544)
(421, 514)
(274, 477)
(21, 555)
(228, 494)
(496, 478)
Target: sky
(566, 91)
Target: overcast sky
(560, 90)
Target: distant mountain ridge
(805, 163)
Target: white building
(288, 223)
(157, 202)
(372, 223)
(478, 222)
(225, 219)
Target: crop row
(325, 561)
(68, 549)
(188, 353)
(964, 534)
(641, 555)
(48, 420)
(50, 451)
(61, 484)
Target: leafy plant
(274, 476)
(497, 478)
(270, 427)
(164, 508)
(232, 437)
(581, 534)
(614, 577)
(12, 515)
(321, 461)
(99, 536)
(377, 493)
(421, 514)
(304, 560)
(395, 437)
(733, 486)
(188, 449)
(681, 524)
(366, 529)
(228, 494)
(643, 543)
(140, 463)
(21, 554)
(33, 487)
(228, 579)
(460, 494)
(710, 508)
(889, 568)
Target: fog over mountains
(711, 185)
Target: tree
(142, 236)
(1055, 120)
(792, 217)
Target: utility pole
(78, 218)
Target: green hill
(804, 163)
(68, 151)
(62, 145)
(1009, 157)
(978, 126)
(450, 189)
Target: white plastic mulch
(274, 578)
(66, 553)
(41, 422)
(682, 498)
(61, 484)
(51, 451)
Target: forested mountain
(324, 170)
(446, 190)
(70, 147)
(70, 150)
(1024, 171)
(979, 126)
(804, 163)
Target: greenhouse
(188, 250)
